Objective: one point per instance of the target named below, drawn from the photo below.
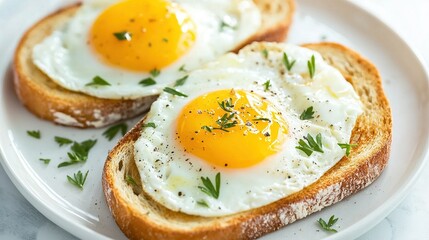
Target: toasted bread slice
(140, 217)
(52, 102)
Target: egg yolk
(231, 128)
(142, 35)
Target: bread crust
(140, 217)
(51, 102)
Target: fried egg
(133, 48)
(228, 139)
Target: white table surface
(410, 220)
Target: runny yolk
(231, 128)
(142, 35)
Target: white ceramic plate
(85, 214)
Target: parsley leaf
(307, 114)
(311, 66)
(264, 52)
(209, 188)
(224, 25)
(111, 132)
(98, 81)
(155, 72)
(181, 81)
(123, 36)
(130, 180)
(78, 179)
(35, 134)
(207, 128)
(312, 144)
(182, 68)
(79, 152)
(45, 160)
(288, 64)
(202, 203)
(328, 226)
(267, 85)
(147, 82)
(347, 146)
(262, 119)
(174, 92)
(62, 141)
(225, 122)
(149, 124)
(226, 105)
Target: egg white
(172, 176)
(68, 60)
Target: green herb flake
(313, 145)
(328, 226)
(147, 82)
(209, 188)
(130, 180)
(311, 66)
(224, 25)
(286, 61)
(35, 133)
(149, 124)
(182, 68)
(347, 146)
(307, 114)
(173, 91)
(265, 53)
(98, 81)
(111, 132)
(262, 119)
(207, 128)
(267, 85)
(45, 160)
(155, 72)
(121, 36)
(165, 40)
(226, 105)
(79, 153)
(62, 141)
(202, 203)
(181, 81)
(78, 179)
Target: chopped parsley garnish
(347, 146)
(267, 85)
(45, 160)
(121, 36)
(209, 188)
(328, 226)
(202, 203)
(155, 72)
(63, 141)
(207, 128)
(165, 40)
(307, 114)
(111, 132)
(262, 119)
(79, 152)
(130, 180)
(226, 105)
(181, 81)
(313, 145)
(173, 91)
(149, 124)
(36, 134)
(98, 81)
(147, 82)
(224, 25)
(264, 52)
(288, 64)
(182, 68)
(226, 122)
(78, 179)
(311, 66)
